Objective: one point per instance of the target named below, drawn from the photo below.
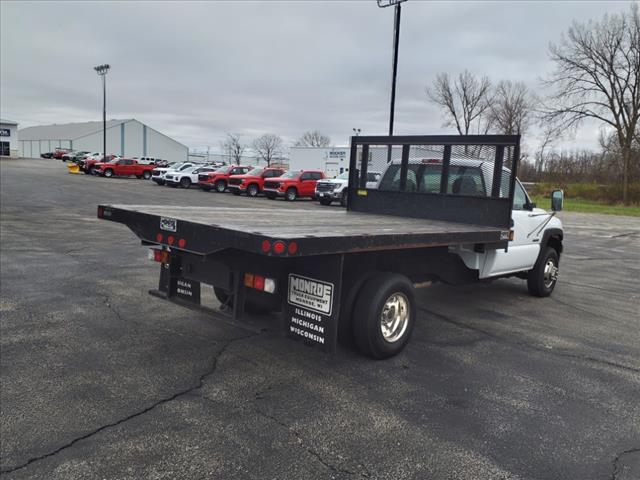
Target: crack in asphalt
(260, 395)
(330, 466)
(198, 384)
(551, 351)
(616, 460)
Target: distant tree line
(596, 76)
(269, 146)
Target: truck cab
(531, 226)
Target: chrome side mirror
(557, 200)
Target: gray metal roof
(8, 122)
(65, 131)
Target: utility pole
(102, 72)
(396, 43)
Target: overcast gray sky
(197, 70)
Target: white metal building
(127, 138)
(8, 138)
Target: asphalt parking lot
(101, 380)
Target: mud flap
(172, 285)
(313, 300)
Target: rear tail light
(157, 255)
(259, 282)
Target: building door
(4, 149)
(331, 169)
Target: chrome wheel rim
(550, 273)
(394, 318)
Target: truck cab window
(520, 200)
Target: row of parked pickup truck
(272, 182)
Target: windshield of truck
(256, 172)
(224, 169)
(423, 178)
(291, 174)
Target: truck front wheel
(253, 190)
(221, 186)
(108, 173)
(542, 279)
(384, 315)
(291, 194)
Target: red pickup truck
(220, 178)
(292, 185)
(252, 182)
(123, 167)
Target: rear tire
(325, 201)
(185, 182)
(253, 190)
(384, 315)
(146, 174)
(291, 194)
(542, 278)
(221, 186)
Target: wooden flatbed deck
(317, 231)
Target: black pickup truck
(350, 273)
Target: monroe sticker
(168, 224)
(311, 294)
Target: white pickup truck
(332, 189)
(159, 173)
(531, 226)
(187, 176)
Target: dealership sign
(5, 132)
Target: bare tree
(548, 137)
(597, 76)
(465, 100)
(233, 146)
(511, 108)
(313, 138)
(268, 146)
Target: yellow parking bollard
(73, 167)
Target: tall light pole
(102, 71)
(396, 42)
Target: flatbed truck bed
(315, 231)
(351, 274)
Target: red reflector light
(293, 248)
(157, 255)
(266, 246)
(100, 212)
(170, 240)
(159, 237)
(279, 247)
(248, 280)
(182, 243)
(258, 282)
